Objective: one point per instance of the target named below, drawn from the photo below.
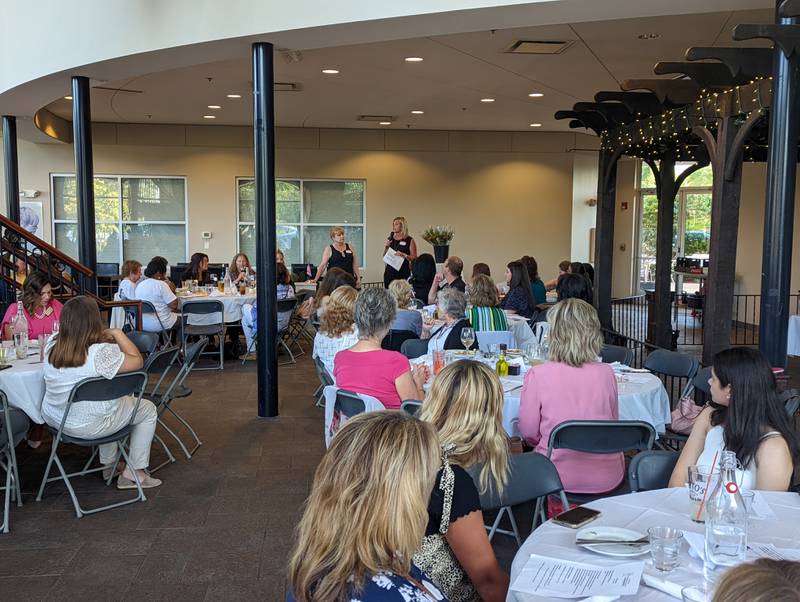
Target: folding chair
(601, 437)
(487, 338)
(651, 469)
(87, 391)
(298, 325)
(700, 390)
(325, 379)
(15, 426)
(675, 369)
(147, 308)
(394, 339)
(414, 348)
(531, 477)
(614, 353)
(283, 305)
(411, 406)
(341, 404)
(146, 342)
(204, 312)
(159, 365)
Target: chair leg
(496, 523)
(4, 528)
(289, 351)
(15, 476)
(47, 469)
(170, 458)
(177, 439)
(189, 428)
(514, 527)
(65, 478)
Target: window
(305, 211)
(136, 217)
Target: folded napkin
(663, 585)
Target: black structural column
(779, 209)
(11, 166)
(264, 144)
(604, 235)
(667, 190)
(84, 175)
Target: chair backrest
(675, 369)
(146, 342)
(283, 305)
(531, 476)
(487, 338)
(651, 469)
(614, 353)
(418, 303)
(343, 404)
(539, 330)
(791, 401)
(193, 352)
(200, 307)
(161, 360)
(325, 377)
(413, 348)
(103, 389)
(394, 340)
(14, 424)
(602, 436)
(411, 406)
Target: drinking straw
(708, 486)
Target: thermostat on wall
(206, 235)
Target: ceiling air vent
(538, 47)
(376, 118)
(286, 87)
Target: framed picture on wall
(30, 217)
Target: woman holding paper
(403, 247)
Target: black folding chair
(298, 325)
(13, 429)
(614, 353)
(87, 391)
(205, 310)
(601, 437)
(414, 348)
(651, 469)
(394, 340)
(349, 404)
(282, 306)
(146, 342)
(675, 369)
(158, 367)
(531, 477)
(698, 389)
(148, 308)
(325, 379)
(411, 406)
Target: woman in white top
(336, 330)
(131, 274)
(84, 348)
(745, 416)
(155, 289)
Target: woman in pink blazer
(572, 385)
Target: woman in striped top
(484, 313)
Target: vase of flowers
(439, 237)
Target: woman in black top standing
(339, 255)
(404, 246)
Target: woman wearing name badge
(339, 255)
(403, 246)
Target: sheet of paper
(564, 579)
(390, 258)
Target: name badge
(402, 242)
(349, 251)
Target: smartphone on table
(576, 517)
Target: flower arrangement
(438, 235)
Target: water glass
(467, 337)
(700, 477)
(665, 544)
(55, 327)
(42, 340)
(3, 355)
(749, 498)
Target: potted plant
(439, 237)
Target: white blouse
(715, 444)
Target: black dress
(342, 260)
(389, 273)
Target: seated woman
(484, 313)
(336, 329)
(574, 286)
(20, 270)
(422, 274)
(131, 274)
(452, 307)
(407, 319)
(465, 404)
(537, 286)
(38, 306)
(333, 279)
(563, 268)
(155, 289)
(745, 417)
(365, 367)
(366, 515)
(84, 348)
(283, 290)
(519, 299)
(197, 269)
(572, 385)
(480, 268)
(240, 268)
(763, 580)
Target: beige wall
(505, 193)
(584, 216)
(624, 276)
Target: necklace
(45, 312)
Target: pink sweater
(554, 393)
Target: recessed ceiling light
(214, 107)
(414, 59)
(487, 99)
(417, 112)
(385, 123)
(330, 71)
(649, 36)
(535, 94)
(68, 98)
(234, 95)
(536, 125)
(209, 116)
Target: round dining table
(778, 523)
(232, 306)
(23, 384)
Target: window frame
(301, 225)
(121, 223)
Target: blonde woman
(339, 255)
(404, 246)
(336, 328)
(764, 580)
(465, 404)
(366, 514)
(485, 313)
(572, 385)
(408, 318)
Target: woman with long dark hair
(197, 269)
(537, 286)
(519, 299)
(422, 274)
(745, 416)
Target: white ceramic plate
(613, 533)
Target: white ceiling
(457, 72)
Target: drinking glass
(665, 544)
(749, 497)
(700, 478)
(221, 286)
(42, 340)
(467, 337)
(55, 327)
(3, 356)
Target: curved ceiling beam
(641, 103)
(614, 113)
(747, 63)
(677, 92)
(591, 120)
(787, 37)
(790, 8)
(706, 75)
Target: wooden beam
(665, 220)
(604, 235)
(745, 63)
(705, 75)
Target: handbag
(684, 415)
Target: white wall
(584, 216)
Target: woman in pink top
(573, 385)
(38, 305)
(365, 367)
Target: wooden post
(664, 237)
(604, 234)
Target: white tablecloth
(793, 336)
(639, 511)
(232, 306)
(23, 384)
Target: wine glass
(467, 337)
(55, 327)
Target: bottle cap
(731, 487)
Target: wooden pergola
(743, 106)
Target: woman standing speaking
(403, 246)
